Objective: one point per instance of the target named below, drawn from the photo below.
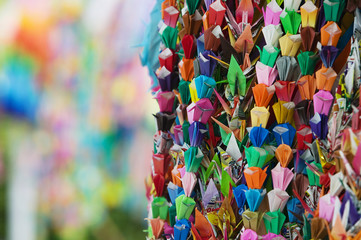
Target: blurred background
(75, 119)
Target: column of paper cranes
(258, 129)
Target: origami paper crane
(333, 9)
(270, 236)
(265, 74)
(274, 221)
(313, 177)
(160, 208)
(292, 4)
(178, 135)
(263, 94)
(210, 193)
(207, 63)
(240, 196)
(167, 80)
(257, 157)
(309, 38)
(165, 101)
(290, 20)
(328, 55)
(258, 136)
(304, 110)
(272, 34)
(281, 177)
(272, 13)
(319, 126)
(277, 199)
(171, 15)
(212, 38)
(203, 227)
(169, 36)
(160, 163)
(309, 14)
(252, 220)
(189, 180)
(173, 191)
(284, 133)
(224, 219)
(295, 210)
(200, 111)
(157, 226)
(184, 206)
(322, 102)
(268, 55)
(326, 207)
(193, 158)
(307, 62)
(259, 116)
(300, 184)
(255, 177)
(236, 78)
(249, 234)
(189, 46)
(290, 44)
(325, 78)
(307, 87)
(288, 68)
(284, 154)
(330, 34)
(283, 111)
(285, 90)
(204, 86)
(216, 13)
(254, 198)
(244, 12)
(186, 68)
(158, 181)
(304, 135)
(181, 229)
(167, 59)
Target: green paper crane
(160, 208)
(306, 228)
(185, 128)
(313, 178)
(192, 6)
(193, 158)
(184, 206)
(226, 180)
(268, 55)
(307, 62)
(291, 21)
(183, 88)
(257, 157)
(169, 37)
(333, 9)
(236, 79)
(274, 221)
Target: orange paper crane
(284, 154)
(307, 87)
(186, 69)
(263, 94)
(157, 226)
(245, 42)
(202, 228)
(255, 177)
(325, 78)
